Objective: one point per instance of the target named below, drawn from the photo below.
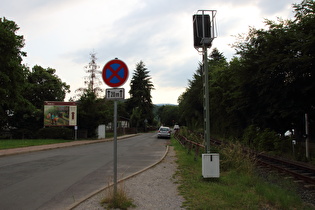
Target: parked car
(176, 127)
(164, 132)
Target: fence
(190, 145)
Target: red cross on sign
(115, 73)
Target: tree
(140, 95)
(11, 71)
(278, 70)
(40, 85)
(92, 81)
(93, 112)
(168, 115)
(191, 102)
(44, 85)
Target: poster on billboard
(58, 113)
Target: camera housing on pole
(204, 28)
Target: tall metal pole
(206, 98)
(115, 147)
(206, 86)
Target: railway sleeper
(307, 174)
(309, 186)
(298, 181)
(288, 177)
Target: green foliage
(190, 102)
(237, 188)
(93, 112)
(233, 157)
(278, 67)
(16, 143)
(44, 85)
(55, 133)
(250, 133)
(270, 84)
(140, 95)
(41, 85)
(23, 92)
(168, 115)
(135, 118)
(118, 200)
(196, 136)
(11, 70)
(265, 140)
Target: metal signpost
(115, 73)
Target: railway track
(302, 172)
(297, 170)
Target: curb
(22, 150)
(120, 180)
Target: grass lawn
(239, 186)
(15, 143)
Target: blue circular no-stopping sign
(115, 73)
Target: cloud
(62, 33)
(272, 8)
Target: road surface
(55, 179)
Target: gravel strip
(154, 188)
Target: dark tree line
(269, 84)
(168, 115)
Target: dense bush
(265, 140)
(23, 134)
(234, 157)
(55, 133)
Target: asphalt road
(55, 179)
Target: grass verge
(16, 143)
(120, 200)
(239, 185)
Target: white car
(164, 132)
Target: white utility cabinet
(101, 131)
(211, 165)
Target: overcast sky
(61, 34)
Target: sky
(61, 34)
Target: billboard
(58, 113)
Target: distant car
(164, 132)
(176, 127)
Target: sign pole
(115, 147)
(76, 132)
(115, 73)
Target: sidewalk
(14, 151)
(155, 187)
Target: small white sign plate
(115, 93)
